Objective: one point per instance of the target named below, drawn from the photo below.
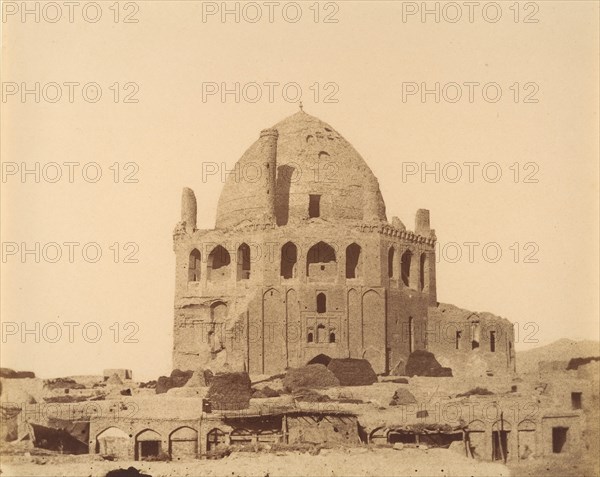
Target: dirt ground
(359, 461)
(560, 465)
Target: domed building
(302, 262)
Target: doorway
(499, 445)
(559, 439)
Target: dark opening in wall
(314, 206)
(352, 261)
(218, 263)
(194, 266)
(493, 341)
(289, 258)
(321, 258)
(457, 339)
(243, 262)
(559, 439)
(499, 445)
(576, 400)
(332, 336)
(391, 260)
(404, 438)
(405, 267)
(215, 438)
(310, 337)
(149, 449)
(321, 303)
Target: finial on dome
(301, 106)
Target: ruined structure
(303, 261)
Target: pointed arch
(321, 303)
(243, 262)
(321, 261)
(391, 260)
(219, 264)
(289, 259)
(405, 263)
(353, 261)
(194, 261)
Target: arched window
(310, 336)
(422, 272)
(332, 336)
(391, 260)
(405, 267)
(321, 303)
(243, 262)
(219, 263)
(289, 257)
(321, 261)
(353, 261)
(194, 266)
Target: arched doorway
(148, 444)
(183, 444)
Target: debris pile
(352, 372)
(310, 376)
(423, 363)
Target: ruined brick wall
(469, 342)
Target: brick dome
(313, 163)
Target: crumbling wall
(470, 342)
(317, 429)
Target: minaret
(268, 154)
(188, 208)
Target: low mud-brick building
(302, 261)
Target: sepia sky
(545, 202)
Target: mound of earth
(129, 472)
(352, 372)
(528, 361)
(63, 383)
(423, 363)
(310, 376)
(401, 397)
(574, 363)
(230, 391)
(177, 379)
(12, 374)
(265, 392)
(309, 395)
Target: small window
(321, 303)
(314, 206)
(310, 337)
(493, 341)
(576, 401)
(332, 336)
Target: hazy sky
(370, 57)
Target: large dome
(312, 159)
